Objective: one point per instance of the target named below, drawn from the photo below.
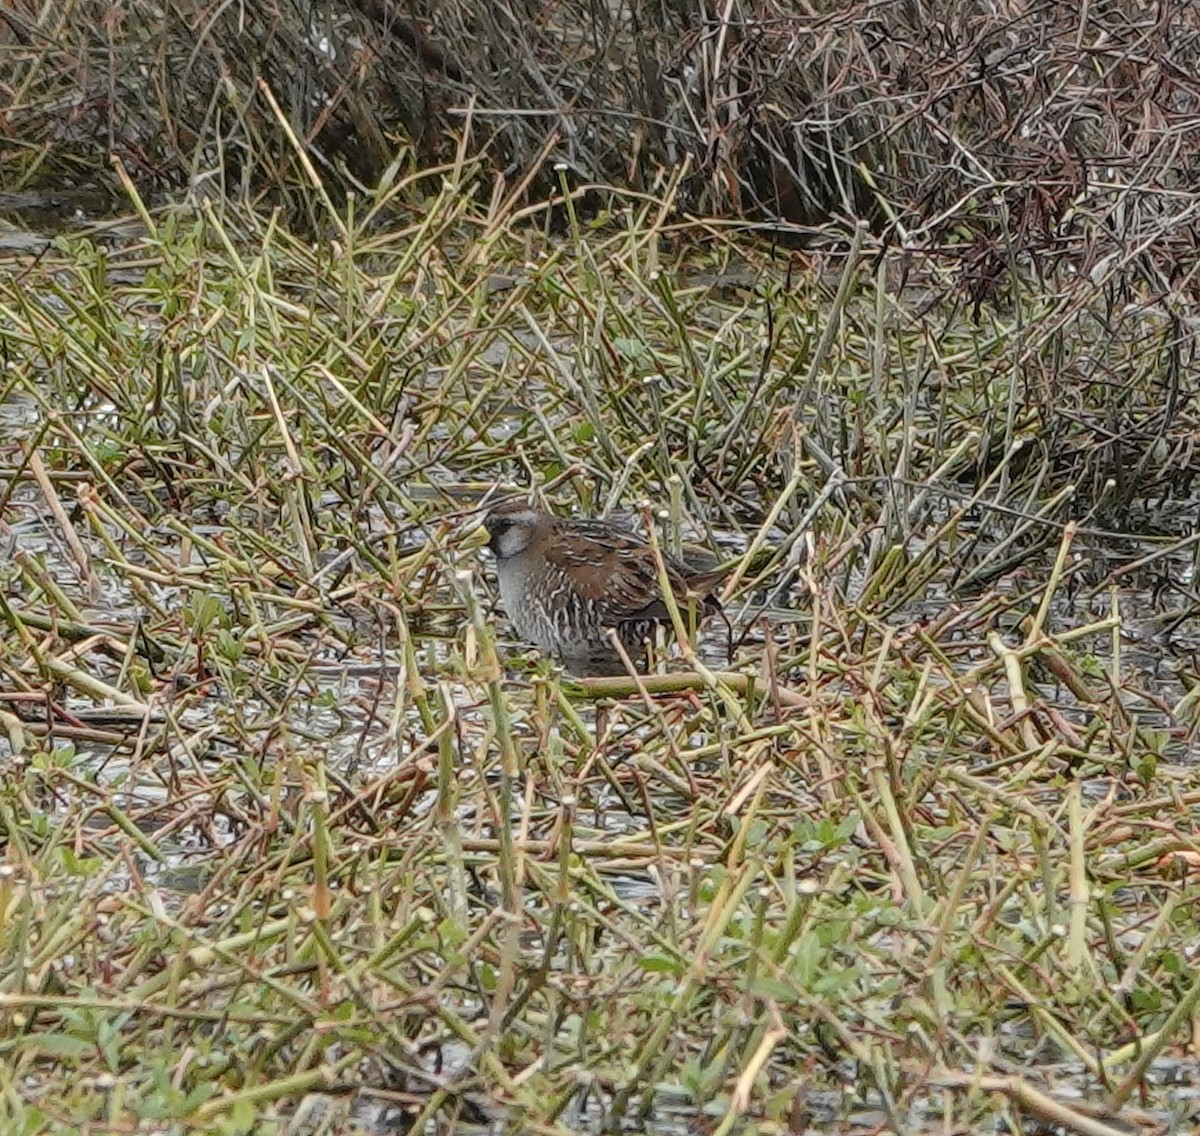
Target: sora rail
(565, 582)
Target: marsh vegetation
(297, 835)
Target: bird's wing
(618, 574)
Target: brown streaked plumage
(565, 582)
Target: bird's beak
(475, 537)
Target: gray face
(511, 533)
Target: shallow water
(349, 711)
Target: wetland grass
(920, 857)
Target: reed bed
(983, 130)
(296, 840)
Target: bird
(565, 582)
